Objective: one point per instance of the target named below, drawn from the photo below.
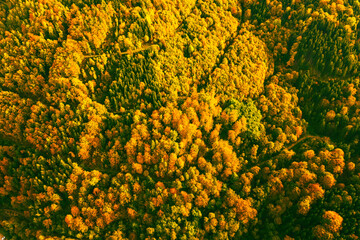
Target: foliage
(144, 119)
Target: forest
(180, 119)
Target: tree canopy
(169, 119)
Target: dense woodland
(180, 119)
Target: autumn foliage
(147, 119)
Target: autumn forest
(180, 119)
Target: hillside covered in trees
(180, 119)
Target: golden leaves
(332, 221)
